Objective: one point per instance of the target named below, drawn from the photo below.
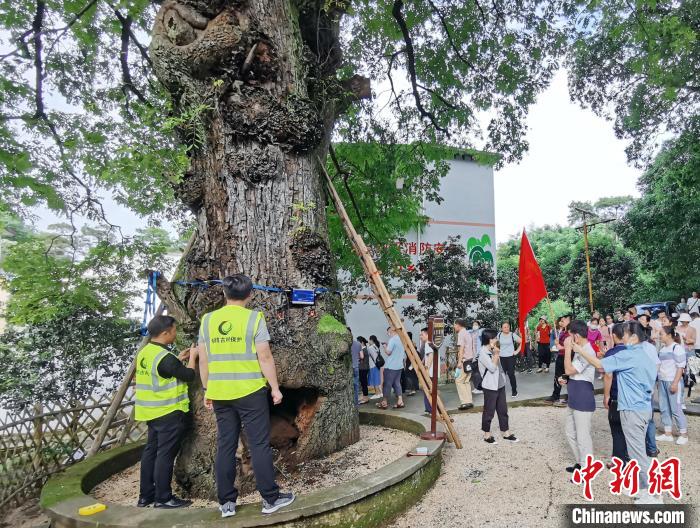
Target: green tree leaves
(637, 62)
(662, 225)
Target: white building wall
(467, 210)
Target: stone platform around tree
(368, 501)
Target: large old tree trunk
(253, 83)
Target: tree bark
(255, 94)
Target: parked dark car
(655, 307)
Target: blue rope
(271, 289)
(149, 308)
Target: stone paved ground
(522, 485)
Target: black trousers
(253, 413)
(619, 447)
(558, 372)
(508, 364)
(411, 379)
(158, 457)
(364, 375)
(544, 355)
(495, 403)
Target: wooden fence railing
(42, 440)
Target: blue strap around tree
(149, 308)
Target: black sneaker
(514, 393)
(490, 440)
(465, 406)
(144, 503)
(550, 399)
(283, 499)
(174, 502)
(511, 438)
(653, 454)
(573, 468)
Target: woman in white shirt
(375, 378)
(494, 386)
(673, 361)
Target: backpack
(379, 362)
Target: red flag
(531, 287)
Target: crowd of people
(636, 354)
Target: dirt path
(523, 484)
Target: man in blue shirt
(619, 446)
(393, 367)
(636, 376)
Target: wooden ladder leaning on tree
(387, 305)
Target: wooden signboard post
(436, 335)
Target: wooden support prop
(436, 335)
(128, 377)
(385, 302)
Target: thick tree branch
(127, 81)
(411, 64)
(38, 61)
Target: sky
(574, 155)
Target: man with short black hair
(162, 402)
(694, 303)
(236, 366)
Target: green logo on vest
(142, 363)
(225, 327)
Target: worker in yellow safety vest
(236, 366)
(162, 402)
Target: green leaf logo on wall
(476, 249)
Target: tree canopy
(81, 116)
(662, 226)
(635, 62)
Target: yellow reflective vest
(157, 396)
(228, 336)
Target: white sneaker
(664, 438)
(645, 497)
(682, 440)
(375, 397)
(228, 509)
(475, 391)
(683, 407)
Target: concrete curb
(369, 501)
